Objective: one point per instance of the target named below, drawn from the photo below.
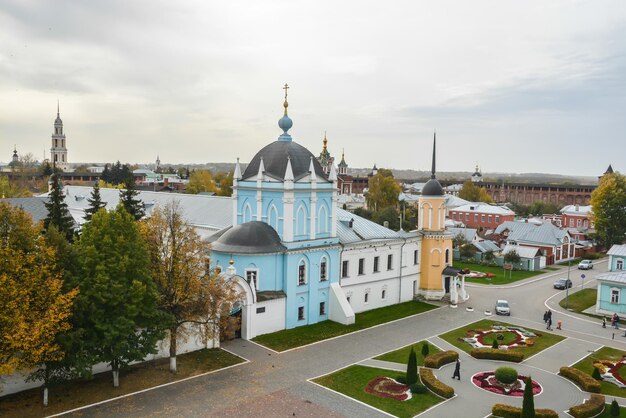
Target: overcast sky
(515, 86)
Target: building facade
(611, 294)
(482, 215)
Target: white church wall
(269, 316)
(194, 341)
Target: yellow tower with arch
(436, 242)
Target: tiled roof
(617, 250)
(480, 207)
(362, 229)
(468, 233)
(522, 251)
(33, 205)
(485, 246)
(545, 233)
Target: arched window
(323, 269)
(322, 220)
(301, 220)
(247, 212)
(272, 217)
(447, 256)
(302, 273)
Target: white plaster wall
(16, 382)
(272, 320)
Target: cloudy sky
(529, 86)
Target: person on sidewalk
(559, 324)
(549, 324)
(616, 321)
(604, 322)
(457, 370)
(545, 317)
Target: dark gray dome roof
(252, 237)
(275, 161)
(432, 188)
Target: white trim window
(323, 270)
(344, 268)
(615, 295)
(252, 277)
(619, 264)
(301, 273)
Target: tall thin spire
(432, 175)
(58, 108)
(285, 123)
(285, 104)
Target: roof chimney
(351, 222)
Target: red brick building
(481, 215)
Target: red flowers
(488, 382)
(385, 387)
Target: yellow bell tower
(436, 242)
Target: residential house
(611, 295)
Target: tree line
(106, 295)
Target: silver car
(585, 265)
(502, 307)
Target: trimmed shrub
(418, 388)
(411, 368)
(497, 354)
(437, 360)
(596, 374)
(582, 379)
(591, 408)
(401, 379)
(435, 385)
(494, 344)
(506, 375)
(614, 408)
(509, 411)
(528, 403)
(425, 349)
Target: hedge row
(509, 411)
(497, 354)
(582, 379)
(594, 406)
(435, 361)
(434, 384)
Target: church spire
(325, 141)
(432, 175)
(285, 123)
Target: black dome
(253, 237)
(275, 161)
(432, 188)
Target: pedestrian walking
(550, 315)
(457, 370)
(559, 324)
(549, 323)
(616, 321)
(604, 322)
(545, 317)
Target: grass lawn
(352, 380)
(402, 355)
(605, 353)
(140, 376)
(543, 341)
(551, 268)
(607, 412)
(296, 337)
(585, 299)
(499, 277)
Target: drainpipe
(400, 291)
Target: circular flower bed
(487, 381)
(386, 387)
(507, 336)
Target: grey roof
(432, 188)
(450, 271)
(254, 237)
(468, 233)
(275, 161)
(545, 233)
(454, 201)
(208, 214)
(481, 207)
(522, 251)
(617, 250)
(35, 206)
(617, 277)
(264, 295)
(486, 246)
(362, 229)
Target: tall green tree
(117, 307)
(528, 403)
(95, 202)
(128, 199)
(608, 204)
(58, 213)
(179, 268)
(411, 368)
(383, 191)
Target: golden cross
(286, 87)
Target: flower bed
(609, 371)
(487, 381)
(386, 387)
(522, 337)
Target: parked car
(562, 284)
(585, 265)
(502, 307)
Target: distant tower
(343, 166)
(157, 166)
(15, 159)
(477, 177)
(58, 152)
(609, 170)
(436, 251)
(374, 171)
(325, 159)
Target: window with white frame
(614, 295)
(489, 219)
(322, 308)
(376, 260)
(390, 262)
(361, 266)
(467, 216)
(344, 268)
(416, 257)
(619, 264)
(323, 269)
(302, 273)
(301, 313)
(252, 277)
(497, 218)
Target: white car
(585, 265)
(502, 307)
